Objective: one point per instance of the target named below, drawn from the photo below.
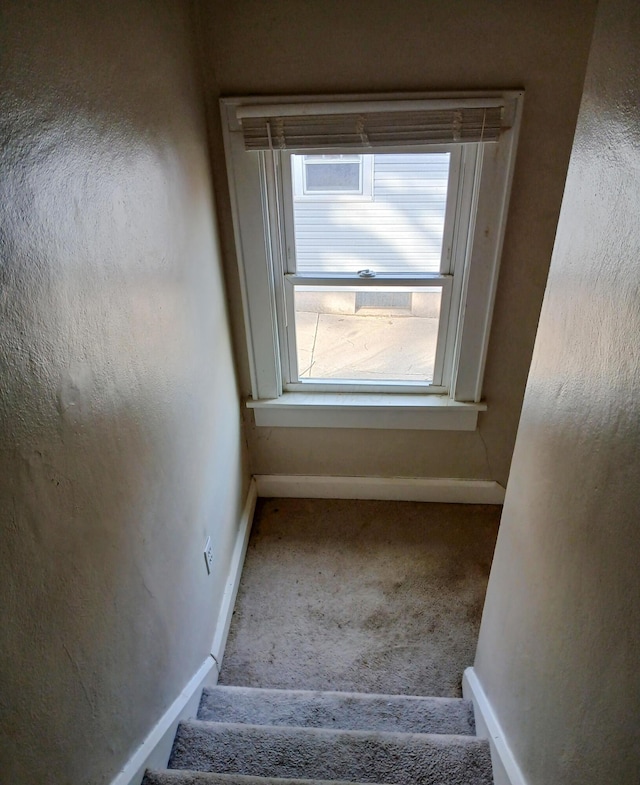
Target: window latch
(366, 273)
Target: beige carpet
(363, 596)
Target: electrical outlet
(208, 555)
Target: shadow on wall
(120, 445)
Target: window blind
(344, 125)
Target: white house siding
(398, 230)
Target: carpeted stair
(246, 736)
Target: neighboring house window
(332, 177)
(368, 234)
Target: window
(368, 234)
(363, 320)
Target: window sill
(366, 410)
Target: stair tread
(233, 689)
(335, 754)
(346, 710)
(282, 731)
(190, 777)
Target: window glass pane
(325, 176)
(399, 229)
(367, 333)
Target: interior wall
(120, 440)
(559, 649)
(287, 47)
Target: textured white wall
(559, 644)
(285, 46)
(120, 430)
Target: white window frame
(449, 278)
(264, 246)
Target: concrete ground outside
(368, 344)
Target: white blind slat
(271, 128)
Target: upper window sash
(279, 166)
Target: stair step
(187, 777)
(321, 753)
(345, 710)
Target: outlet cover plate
(208, 555)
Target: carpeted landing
(349, 596)
(363, 596)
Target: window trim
(251, 196)
(366, 410)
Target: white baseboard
(505, 767)
(156, 748)
(413, 489)
(233, 578)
